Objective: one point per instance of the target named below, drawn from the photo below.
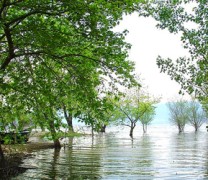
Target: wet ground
(160, 154)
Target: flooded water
(162, 153)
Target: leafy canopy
(189, 18)
(57, 52)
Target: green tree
(109, 115)
(135, 104)
(187, 18)
(196, 115)
(148, 116)
(179, 111)
(52, 49)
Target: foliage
(179, 113)
(188, 18)
(148, 116)
(56, 53)
(196, 115)
(135, 105)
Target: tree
(48, 46)
(196, 115)
(179, 113)
(148, 116)
(133, 107)
(188, 18)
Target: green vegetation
(60, 56)
(187, 18)
(62, 59)
(178, 113)
(184, 112)
(136, 106)
(196, 114)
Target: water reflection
(158, 155)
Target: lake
(162, 153)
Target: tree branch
(14, 3)
(21, 18)
(2, 8)
(11, 53)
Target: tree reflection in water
(158, 155)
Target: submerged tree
(133, 107)
(148, 116)
(178, 113)
(188, 18)
(196, 115)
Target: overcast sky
(147, 43)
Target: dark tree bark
(69, 119)
(70, 124)
(103, 129)
(133, 125)
(196, 127)
(1, 152)
(181, 128)
(131, 131)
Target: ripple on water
(158, 155)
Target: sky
(147, 43)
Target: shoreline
(15, 154)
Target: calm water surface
(160, 154)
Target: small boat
(14, 137)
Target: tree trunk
(68, 118)
(196, 127)
(69, 122)
(180, 128)
(54, 136)
(1, 152)
(144, 128)
(102, 130)
(131, 132)
(57, 144)
(92, 130)
(53, 132)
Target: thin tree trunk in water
(196, 127)
(144, 128)
(103, 129)
(181, 129)
(92, 131)
(131, 132)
